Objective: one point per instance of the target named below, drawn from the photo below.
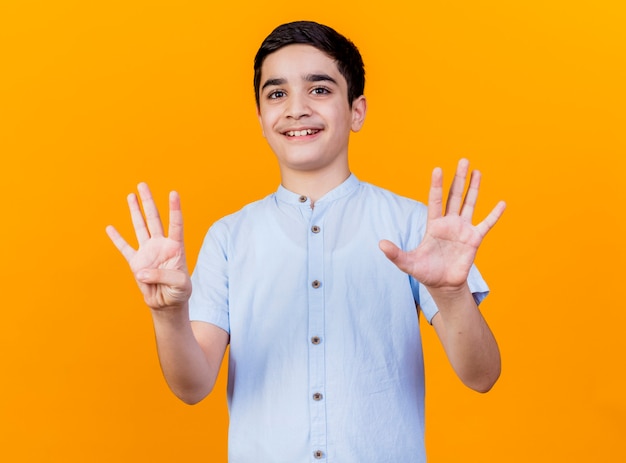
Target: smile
(301, 133)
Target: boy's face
(304, 110)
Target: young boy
(319, 308)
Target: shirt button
(316, 284)
(318, 454)
(302, 199)
(316, 340)
(315, 229)
(318, 396)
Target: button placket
(316, 303)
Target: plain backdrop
(98, 96)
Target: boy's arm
(190, 355)
(467, 339)
(442, 263)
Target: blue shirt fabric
(325, 359)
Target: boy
(325, 353)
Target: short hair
(324, 38)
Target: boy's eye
(276, 94)
(320, 91)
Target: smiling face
(304, 112)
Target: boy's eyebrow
(270, 82)
(319, 78)
(308, 78)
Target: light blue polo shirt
(325, 352)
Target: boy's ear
(359, 108)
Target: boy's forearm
(466, 338)
(185, 366)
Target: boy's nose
(298, 107)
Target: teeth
(300, 133)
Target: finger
(139, 224)
(163, 276)
(153, 219)
(455, 196)
(491, 219)
(394, 254)
(120, 243)
(469, 204)
(390, 249)
(175, 287)
(176, 284)
(435, 196)
(176, 218)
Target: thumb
(395, 255)
(163, 276)
(390, 250)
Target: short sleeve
(427, 305)
(209, 297)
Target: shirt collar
(345, 188)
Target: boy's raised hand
(443, 259)
(159, 264)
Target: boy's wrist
(173, 315)
(450, 296)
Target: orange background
(97, 96)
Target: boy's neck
(314, 185)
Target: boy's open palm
(159, 264)
(444, 257)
